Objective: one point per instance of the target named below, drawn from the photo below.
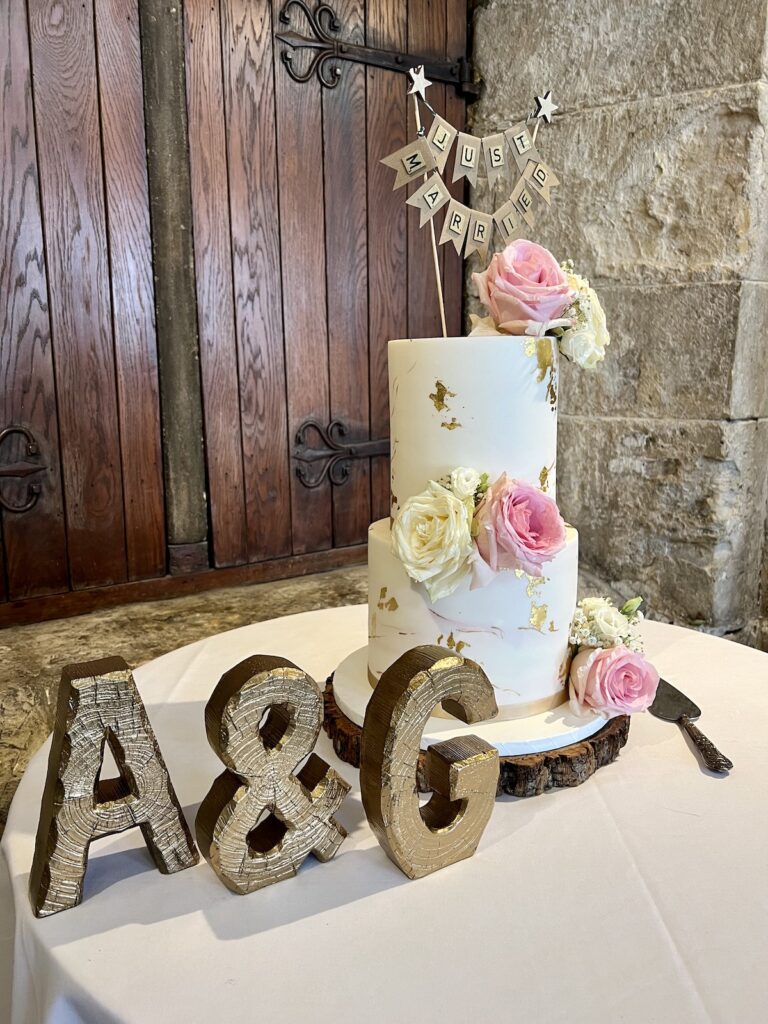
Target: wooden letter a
(99, 703)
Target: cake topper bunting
(507, 151)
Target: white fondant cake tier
(485, 402)
(515, 628)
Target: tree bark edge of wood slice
(526, 775)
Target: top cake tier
(489, 403)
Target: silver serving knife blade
(673, 706)
(670, 704)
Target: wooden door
(306, 261)
(123, 458)
(81, 481)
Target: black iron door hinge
(330, 51)
(26, 467)
(332, 457)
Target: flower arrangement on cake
(609, 673)
(527, 292)
(462, 528)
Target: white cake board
(513, 737)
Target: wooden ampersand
(463, 773)
(99, 703)
(260, 821)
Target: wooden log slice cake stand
(525, 775)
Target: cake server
(673, 706)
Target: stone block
(595, 52)
(656, 191)
(688, 351)
(673, 510)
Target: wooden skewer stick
(432, 233)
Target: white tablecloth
(642, 896)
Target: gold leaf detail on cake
(544, 477)
(439, 395)
(534, 582)
(538, 616)
(545, 359)
(385, 605)
(453, 425)
(455, 645)
(552, 626)
(519, 573)
(530, 347)
(439, 640)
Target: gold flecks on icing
(385, 605)
(453, 425)
(552, 626)
(519, 573)
(544, 357)
(544, 350)
(544, 477)
(534, 582)
(455, 645)
(538, 616)
(439, 640)
(439, 395)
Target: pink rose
(612, 681)
(525, 290)
(520, 527)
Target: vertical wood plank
(35, 541)
(426, 35)
(344, 127)
(66, 108)
(125, 166)
(213, 272)
(250, 105)
(302, 243)
(178, 358)
(455, 112)
(387, 241)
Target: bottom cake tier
(516, 628)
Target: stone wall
(661, 151)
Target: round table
(640, 896)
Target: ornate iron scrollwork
(322, 22)
(329, 52)
(331, 459)
(20, 470)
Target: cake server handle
(713, 759)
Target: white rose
(464, 482)
(609, 624)
(577, 282)
(586, 341)
(431, 535)
(590, 605)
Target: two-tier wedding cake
(476, 556)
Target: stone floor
(33, 655)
